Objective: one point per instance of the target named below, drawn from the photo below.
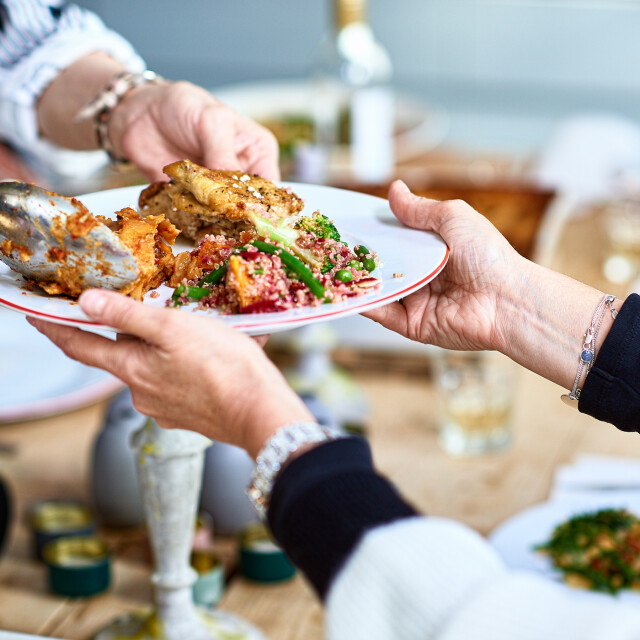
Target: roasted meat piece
(202, 201)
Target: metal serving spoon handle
(47, 237)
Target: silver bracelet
(101, 107)
(275, 453)
(588, 354)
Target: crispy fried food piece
(203, 201)
(148, 239)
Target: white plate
(421, 126)
(417, 255)
(37, 379)
(516, 538)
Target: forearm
(325, 501)
(61, 101)
(542, 320)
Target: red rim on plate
(250, 325)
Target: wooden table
(49, 457)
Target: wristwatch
(275, 453)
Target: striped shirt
(39, 38)
(26, 25)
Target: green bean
(196, 293)
(300, 270)
(177, 292)
(213, 277)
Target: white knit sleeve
(433, 579)
(37, 41)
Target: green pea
(356, 264)
(344, 275)
(369, 264)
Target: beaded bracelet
(102, 106)
(588, 354)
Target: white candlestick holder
(170, 474)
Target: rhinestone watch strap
(101, 107)
(275, 453)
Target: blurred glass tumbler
(475, 402)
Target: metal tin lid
(261, 559)
(78, 566)
(60, 515)
(76, 552)
(210, 585)
(203, 560)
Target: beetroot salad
(298, 262)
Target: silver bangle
(588, 353)
(101, 107)
(275, 453)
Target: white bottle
(354, 92)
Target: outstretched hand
(156, 124)
(183, 370)
(460, 308)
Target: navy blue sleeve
(324, 502)
(611, 392)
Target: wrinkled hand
(184, 371)
(156, 124)
(460, 308)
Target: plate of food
(592, 546)
(262, 257)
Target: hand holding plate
(185, 371)
(460, 308)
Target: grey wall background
(505, 69)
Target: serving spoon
(35, 240)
